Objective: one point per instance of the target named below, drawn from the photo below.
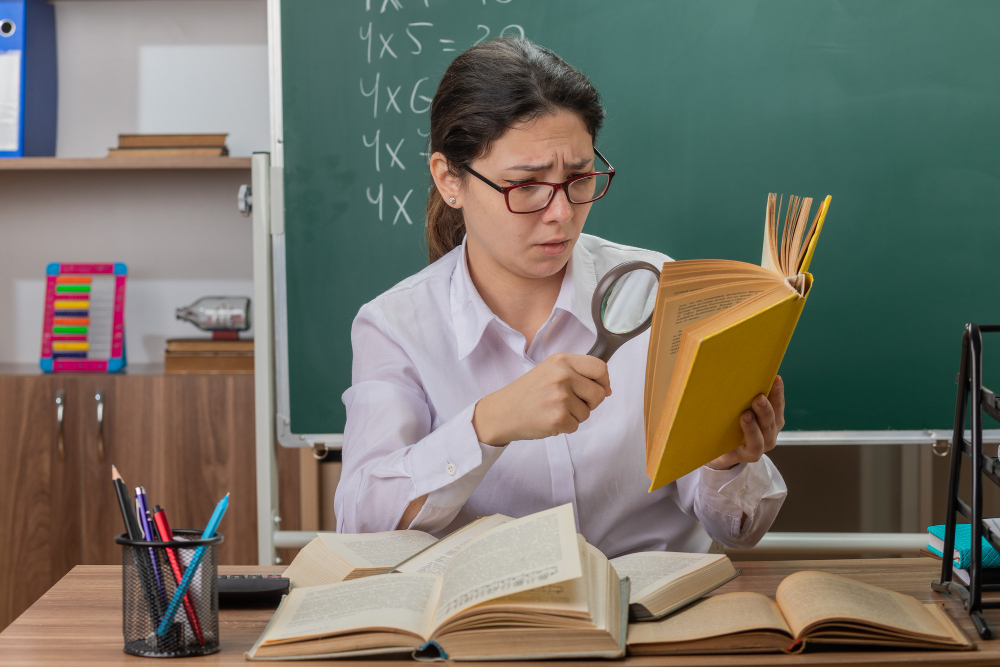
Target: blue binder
(27, 78)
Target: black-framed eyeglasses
(535, 196)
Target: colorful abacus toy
(84, 321)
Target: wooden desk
(78, 622)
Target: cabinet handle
(99, 397)
(60, 406)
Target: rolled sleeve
(468, 458)
(736, 506)
(450, 459)
(742, 486)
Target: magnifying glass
(623, 306)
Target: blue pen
(175, 602)
(142, 512)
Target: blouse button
(450, 468)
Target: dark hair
(484, 92)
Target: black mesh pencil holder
(151, 574)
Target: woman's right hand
(553, 397)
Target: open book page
(435, 558)
(697, 275)
(650, 570)
(795, 238)
(385, 549)
(714, 616)
(399, 601)
(698, 305)
(792, 213)
(783, 237)
(526, 553)
(694, 269)
(677, 290)
(724, 361)
(603, 585)
(769, 255)
(671, 317)
(783, 243)
(809, 598)
(682, 277)
(315, 565)
(812, 236)
(569, 598)
(332, 557)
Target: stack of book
(205, 355)
(170, 145)
(962, 554)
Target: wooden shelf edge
(118, 163)
(15, 368)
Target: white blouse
(429, 348)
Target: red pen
(163, 526)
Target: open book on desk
(811, 608)
(720, 329)
(534, 578)
(333, 557)
(662, 582)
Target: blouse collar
(471, 315)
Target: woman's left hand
(760, 428)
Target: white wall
(161, 66)
(178, 231)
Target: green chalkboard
(891, 107)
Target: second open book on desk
(810, 608)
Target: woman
(472, 394)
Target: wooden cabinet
(188, 439)
(39, 491)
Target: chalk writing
(385, 85)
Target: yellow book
(719, 332)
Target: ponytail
(445, 226)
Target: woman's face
(551, 148)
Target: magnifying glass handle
(603, 348)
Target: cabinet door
(189, 440)
(101, 517)
(39, 496)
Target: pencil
(125, 503)
(135, 533)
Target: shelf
(9, 368)
(61, 163)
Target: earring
(451, 201)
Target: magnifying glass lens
(623, 306)
(629, 302)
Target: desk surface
(78, 622)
